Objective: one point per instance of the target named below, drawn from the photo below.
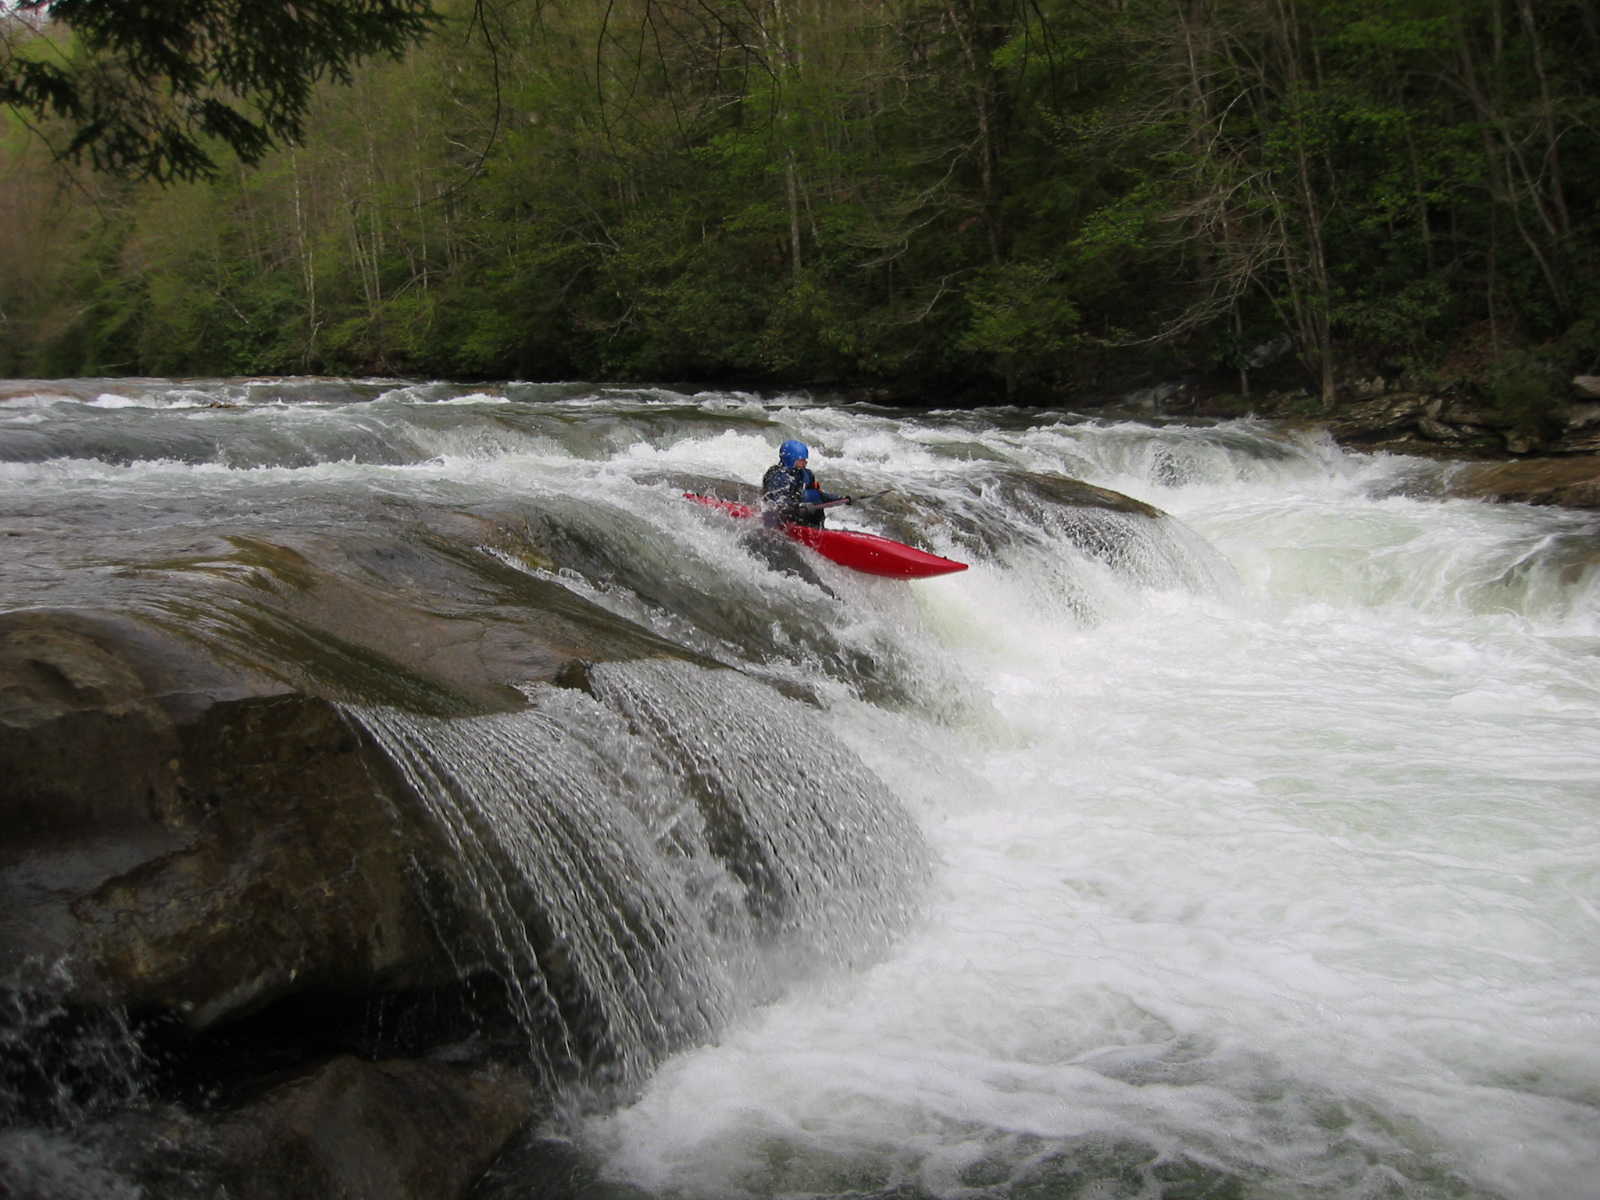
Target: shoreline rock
(1563, 482)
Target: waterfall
(641, 860)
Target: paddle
(848, 500)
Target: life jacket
(785, 492)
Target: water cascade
(674, 842)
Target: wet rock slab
(209, 878)
(1569, 482)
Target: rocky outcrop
(1569, 482)
(1419, 423)
(197, 839)
(90, 704)
(250, 905)
(294, 874)
(209, 875)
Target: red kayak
(859, 551)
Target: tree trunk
(308, 263)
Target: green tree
(147, 90)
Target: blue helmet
(792, 452)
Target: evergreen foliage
(951, 200)
(144, 88)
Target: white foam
(1288, 882)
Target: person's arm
(815, 495)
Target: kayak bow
(867, 552)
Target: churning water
(1265, 839)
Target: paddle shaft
(848, 499)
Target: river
(1266, 860)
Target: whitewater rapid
(1291, 875)
(1265, 849)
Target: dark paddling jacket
(785, 493)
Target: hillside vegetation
(946, 200)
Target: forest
(934, 201)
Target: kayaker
(789, 492)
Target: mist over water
(1266, 860)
